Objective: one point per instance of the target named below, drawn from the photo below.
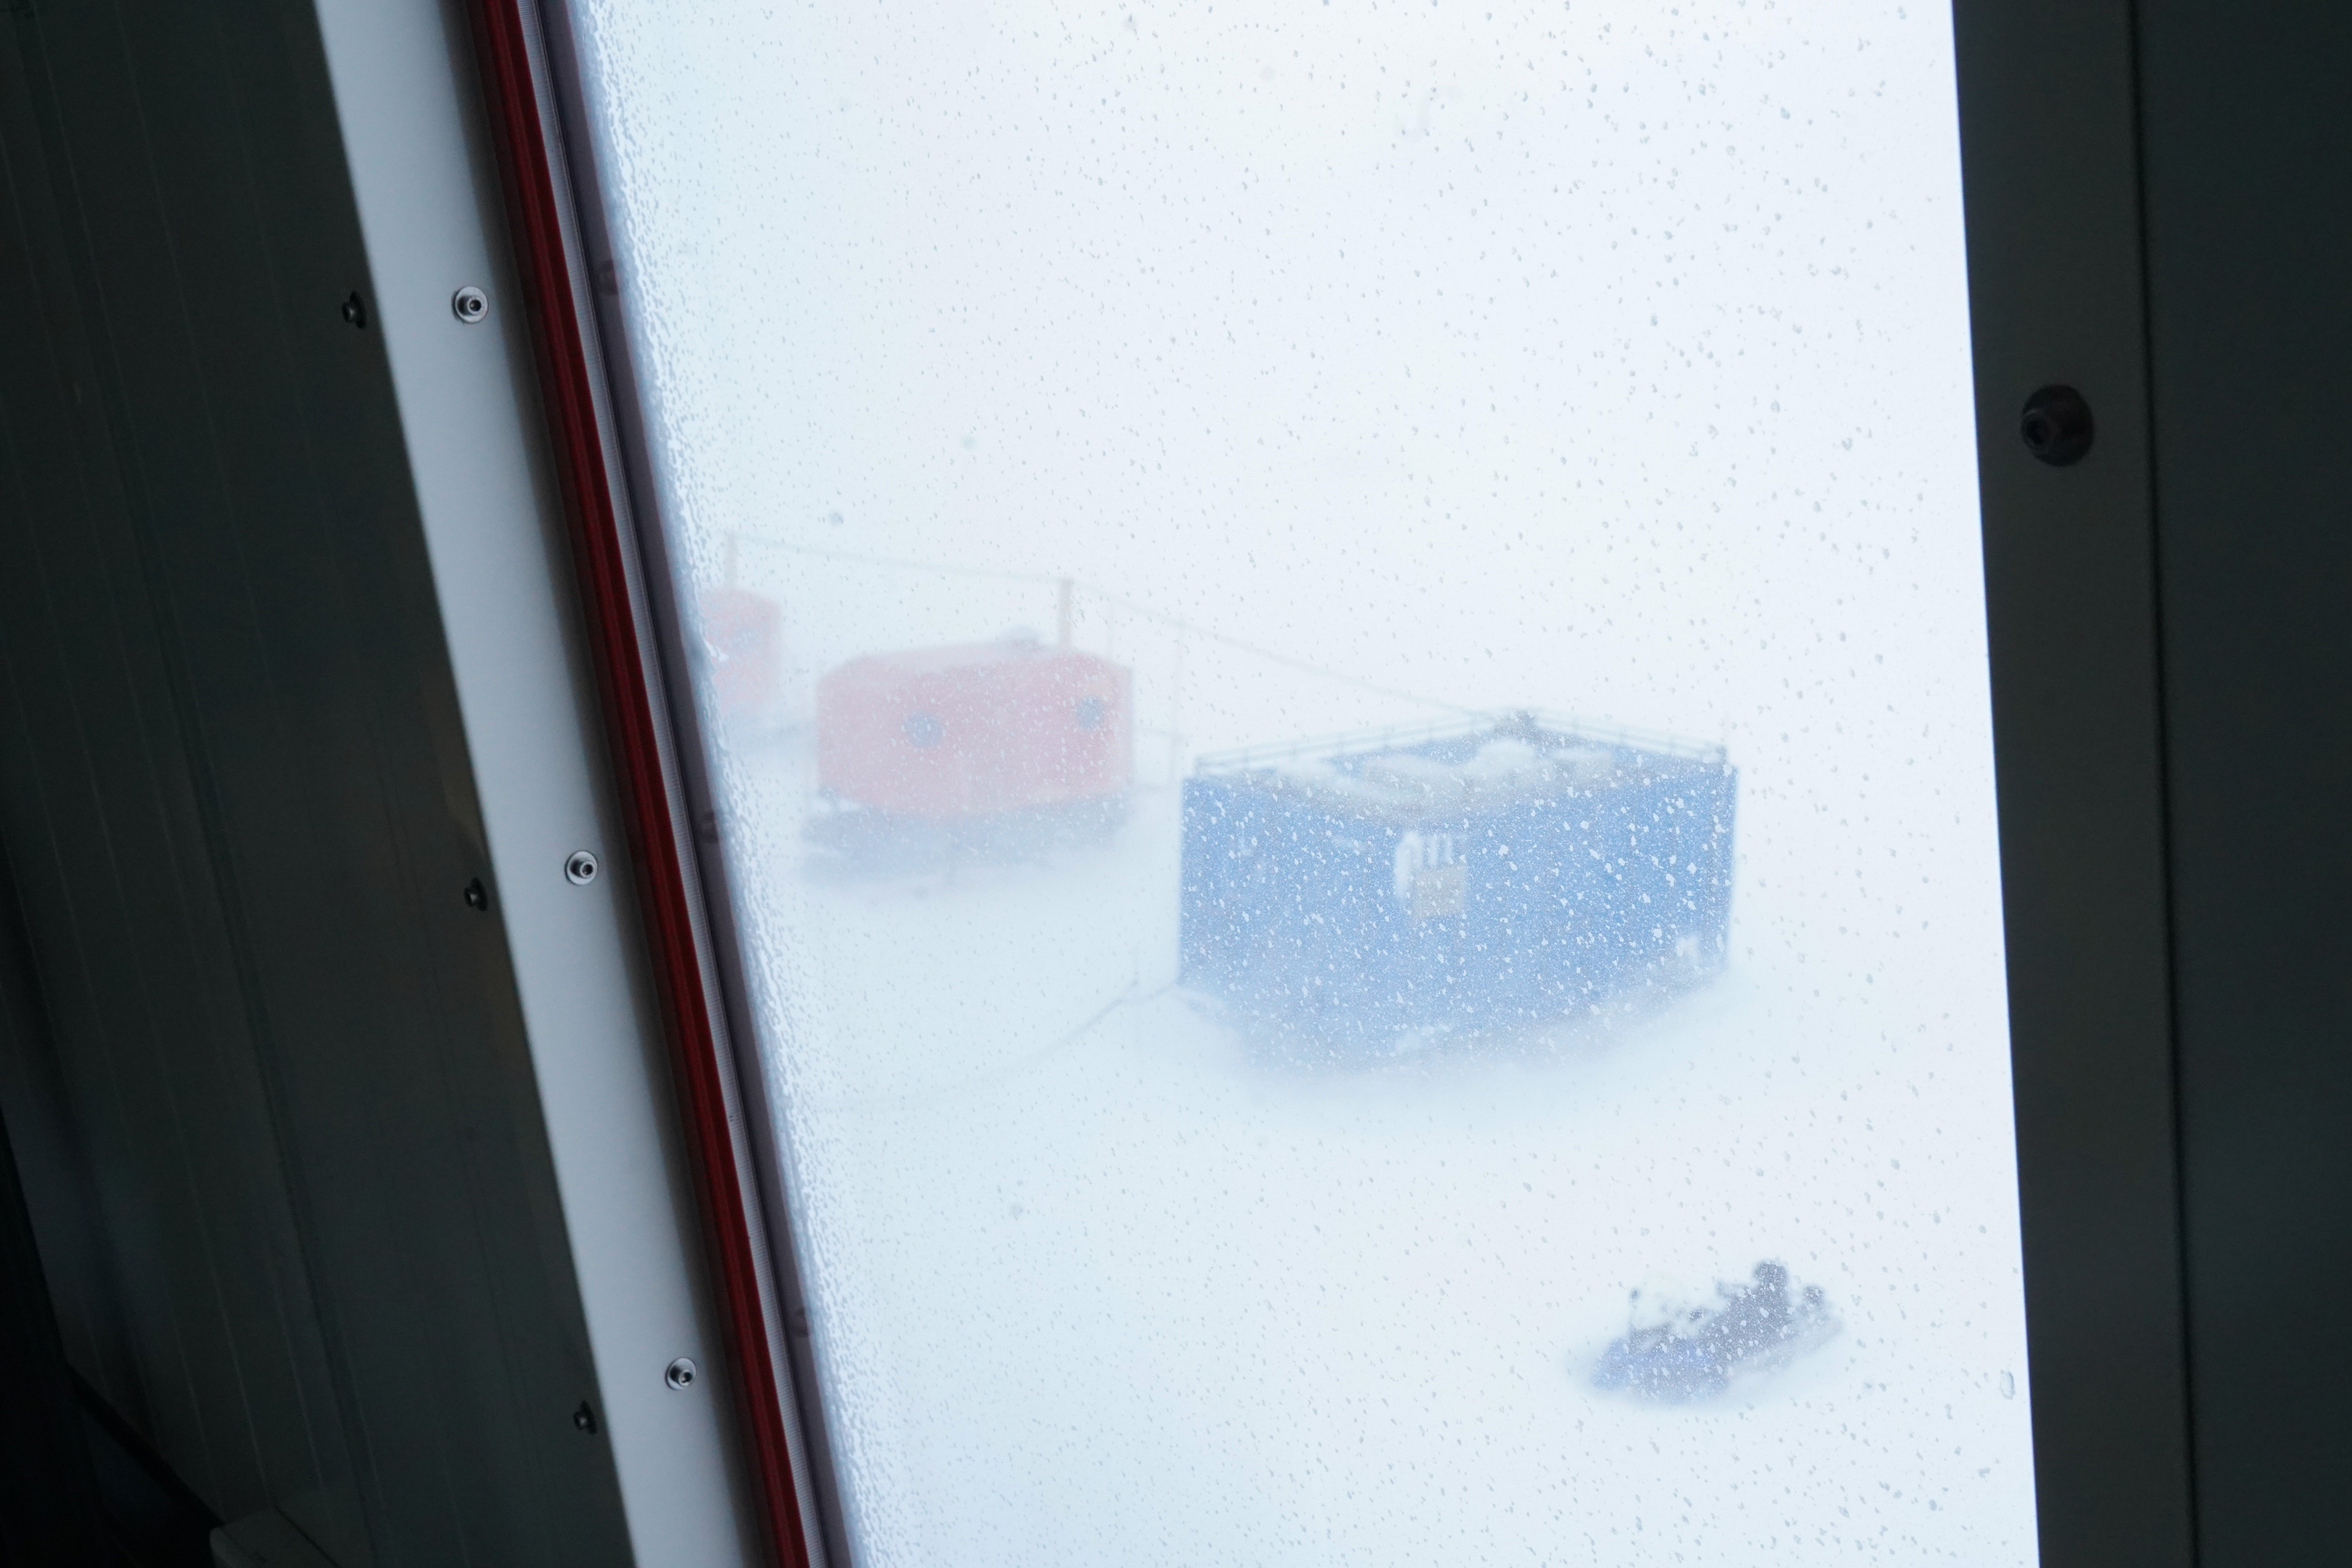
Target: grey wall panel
(126, 934)
(48, 1495)
(2050, 165)
(2248, 148)
(232, 786)
(61, 1200)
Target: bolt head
(469, 305)
(2056, 425)
(581, 868)
(681, 1372)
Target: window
(1342, 648)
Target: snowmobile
(1695, 1352)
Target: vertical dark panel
(50, 1150)
(2050, 165)
(233, 781)
(48, 1503)
(2248, 137)
(125, 929)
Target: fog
(1327, 367)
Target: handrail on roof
(1242, 759)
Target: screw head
(581, 868)
(478, 898)
(469, 305)
(680, 1374)
(2056, 425)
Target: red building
(745, 633)
(984, 730)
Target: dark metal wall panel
(63, 1209)
(233, 787)
(48, 1495)
(2049, 166)
(130, 954)
(2247, 149)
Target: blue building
(1489, 872)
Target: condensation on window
(1344, 647)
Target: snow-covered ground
(1356, 363)
(1101, 1283)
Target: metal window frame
(2056, 269)
(568, 738)
(536, 124)
(2050, 181)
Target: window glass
(1344, 647)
